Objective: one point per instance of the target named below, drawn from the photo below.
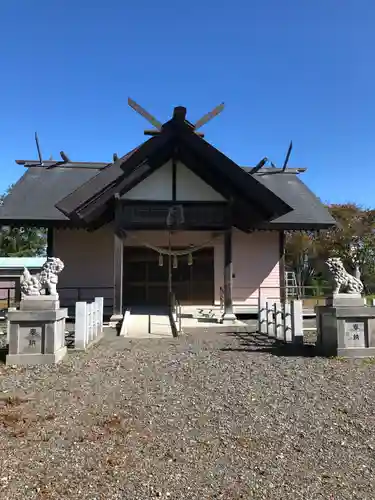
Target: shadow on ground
(258, 342)
(3, 354)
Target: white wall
(190, 187)
(158, 186)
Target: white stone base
(36, 359)
(345, 300)
(228, 319)
(125, 324)
(40, 303)
(36, 337)
(79, 347)
(114, 319)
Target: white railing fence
(88, 322)
(282, 321)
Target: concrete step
(145, 326)
(204, 312)
(190, 323)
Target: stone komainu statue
(46, 280)
(342, 279)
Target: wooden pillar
(228, 315)
(282, 266)
(17, 292)
(50, 242)
(118, 263)
(118, 267)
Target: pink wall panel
(88, 259)
(255, 264)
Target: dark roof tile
(35, 194)
(308, 211)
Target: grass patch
(10, 400)
(368, 361)
(339, 358)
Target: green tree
(353, 239)
(21, 241)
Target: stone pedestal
(37, 332)
(40, 303)
(115, 320)
(346, 327)
(228, 319)
(345, 300)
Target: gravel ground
(205, 416)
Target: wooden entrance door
(146, 283)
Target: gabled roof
(50, 185)
(76, 193)
(106, 183)
(178, 140)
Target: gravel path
(206, 416)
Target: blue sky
(290, 69)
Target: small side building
(11, 269)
